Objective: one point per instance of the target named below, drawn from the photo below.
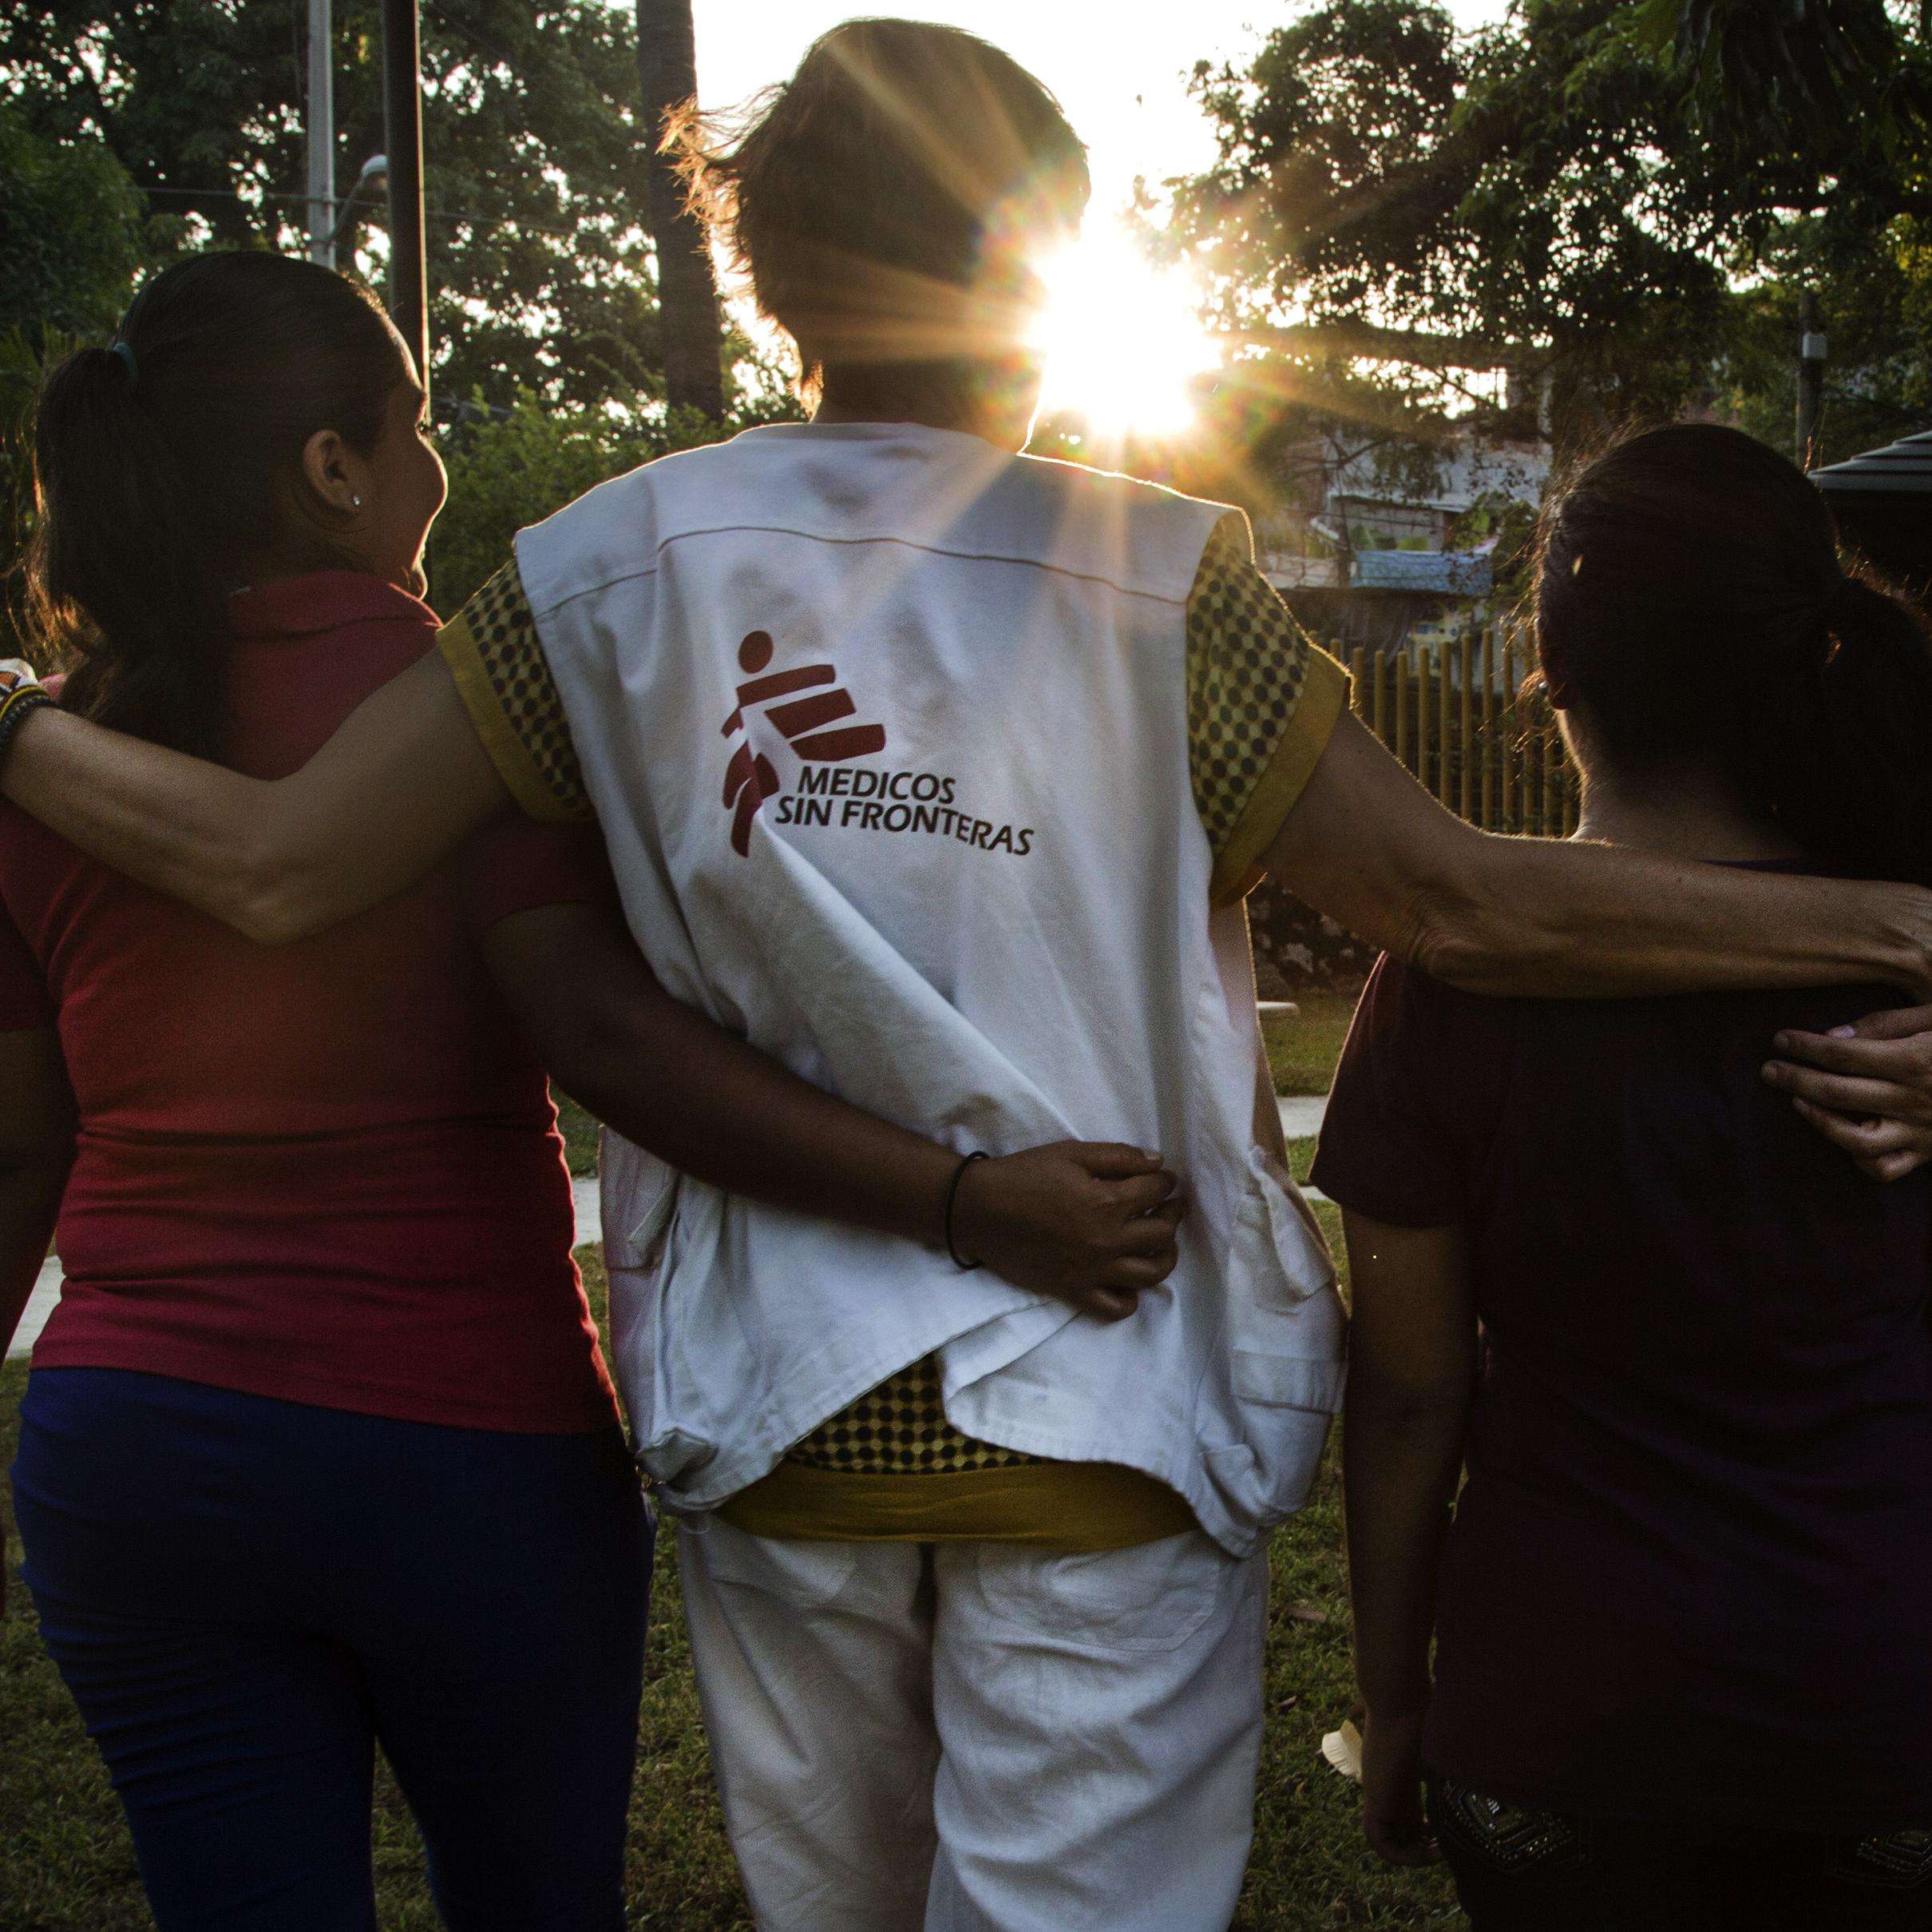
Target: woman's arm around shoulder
(1366, 845)
(388, 796)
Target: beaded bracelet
(14, 707)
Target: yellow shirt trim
(1058, 1505)
(497, 658)
(499, 736)
(1324, 697)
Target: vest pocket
(638, 1194)
(1281, 1258)
(1289, 1381)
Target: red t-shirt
(328, 1172)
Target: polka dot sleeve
(1262, 701)
(494, 654)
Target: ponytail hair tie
(123, 353)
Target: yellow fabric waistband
(1062, 1506)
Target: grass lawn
(1303, 1047)
(66, 1864)
(579, 1128)
(1300, 1158)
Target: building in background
(1388, 545)
(1882, 500)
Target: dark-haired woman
(319, 1450)
(1681, 1673)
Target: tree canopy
(1616, 202)
(540, 260)
(71, 232)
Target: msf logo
(750, 779)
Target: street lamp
(375, 169)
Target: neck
(998, 409)
(1683, 813)
(1004, 436)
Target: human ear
(334, 472)
(1556, 686)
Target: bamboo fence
(1458, 718)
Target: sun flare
(1121, 338)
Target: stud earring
(355, 502)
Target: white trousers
(981, 1737)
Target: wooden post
(1358, 668)
(1424, 723)
(689, 327)
(409, 302)
(1532, 766)
(1399, 677)
(1491, 799)
(1445, 771)
(1533, 769)
(1512, 725)
(1465, 664)
(1553, 803)
(1378, 714)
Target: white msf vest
(887, 732)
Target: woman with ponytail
(1680, 1345)
(318, 1451)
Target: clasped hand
(1867, 1088)
(1092, 1224)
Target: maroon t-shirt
(328, 1172)
(1690, 1572)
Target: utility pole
(322, 136)
(408, 299)
(1812, 348)
(686, 289)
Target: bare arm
(1366, 845)
(391, 793)
(1091, 1225)
(1410, 1378)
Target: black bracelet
(14, 712)
(953, 1195)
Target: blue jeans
(1519, 1869)
(244, 1595)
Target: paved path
(40, 1305)
(1298, 1119)
(590, 1217)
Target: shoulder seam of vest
(814, 537)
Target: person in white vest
(939, 772)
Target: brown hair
(1691, 598)
(168, 465)
(882, 201)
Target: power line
(278, 194)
